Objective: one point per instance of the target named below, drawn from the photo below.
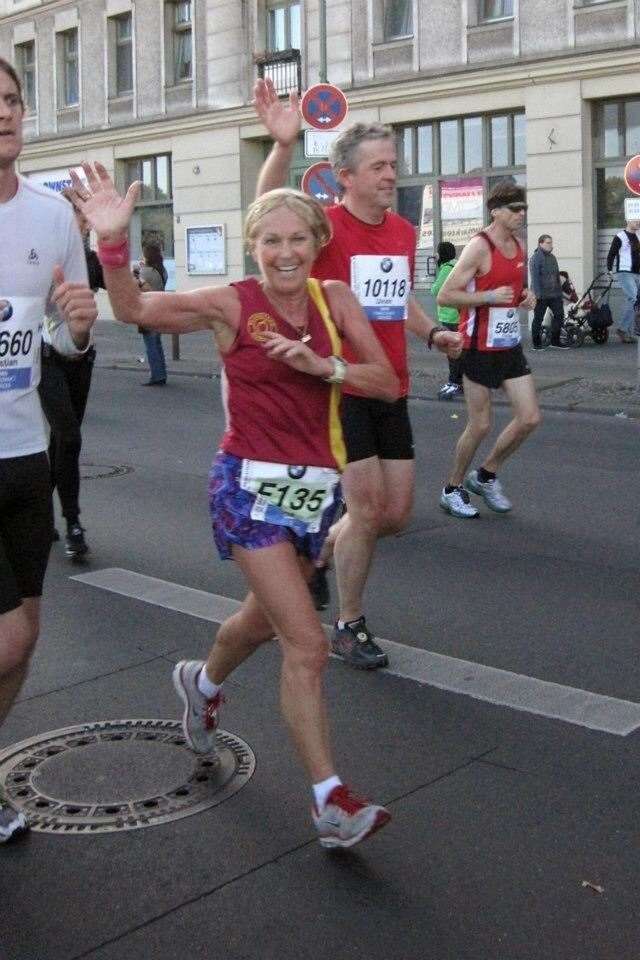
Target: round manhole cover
(119, 775)
(99, 471)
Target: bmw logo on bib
(296, 473)
(386, 265)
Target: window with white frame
(123, 48)
(283, 26)
(25, 57)
(68, 87)
(181, 12)
(398, 19)
(495, 10)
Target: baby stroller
(589, 316)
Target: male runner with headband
(488, 286)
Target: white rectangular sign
(206, 250)
(317, 143)
(56, 180)
(632, 208)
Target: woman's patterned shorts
(230, 508)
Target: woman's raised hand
(281, 119)
(107, 212)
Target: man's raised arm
(282, 120)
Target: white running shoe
(346, 819)
(201, 716)
(491, 492)
(457, 503)
(446, 391)
(11, 822)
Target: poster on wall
(461, 209)
(206, 252)
(425, 237)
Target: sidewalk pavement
(589, 379)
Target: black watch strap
(438, 328)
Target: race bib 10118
(382, 285)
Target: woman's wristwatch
(339, 370)
(437, 328)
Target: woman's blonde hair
(299, 203)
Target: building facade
(544, 91)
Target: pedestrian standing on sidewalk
(448, 317)
(64, 391)
(546, 284)
(152, 275)
(624, 259)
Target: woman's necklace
(299, 321)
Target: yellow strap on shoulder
(336, 439)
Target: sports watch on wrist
(438, 328)
(339, 370)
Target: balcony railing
(284, 67)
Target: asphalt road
(501, 815)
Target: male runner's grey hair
(344, 151)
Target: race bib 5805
(503, 329)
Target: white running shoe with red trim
(346, 819)
(201, 716)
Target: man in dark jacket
(547, 286)
(624, 258)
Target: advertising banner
(425, 237)
(461, 209)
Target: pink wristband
(114, 255)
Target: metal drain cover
(99, 471)
(119, 775)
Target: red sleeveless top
(474, 321)
(277, 414)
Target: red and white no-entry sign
(324, 106)
(632, 175)
(319, 181)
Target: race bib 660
(20, 327)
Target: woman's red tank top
(475, 321)
(277, 414)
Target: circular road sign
(632, 175)
(324, 106)
(319, 181)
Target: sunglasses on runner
(517, 207)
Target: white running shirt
(38, 231)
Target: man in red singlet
(487, 285)
(372, 249)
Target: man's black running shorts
(26, 526)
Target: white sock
(340, 624)
(206, 688)
(322, 790)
